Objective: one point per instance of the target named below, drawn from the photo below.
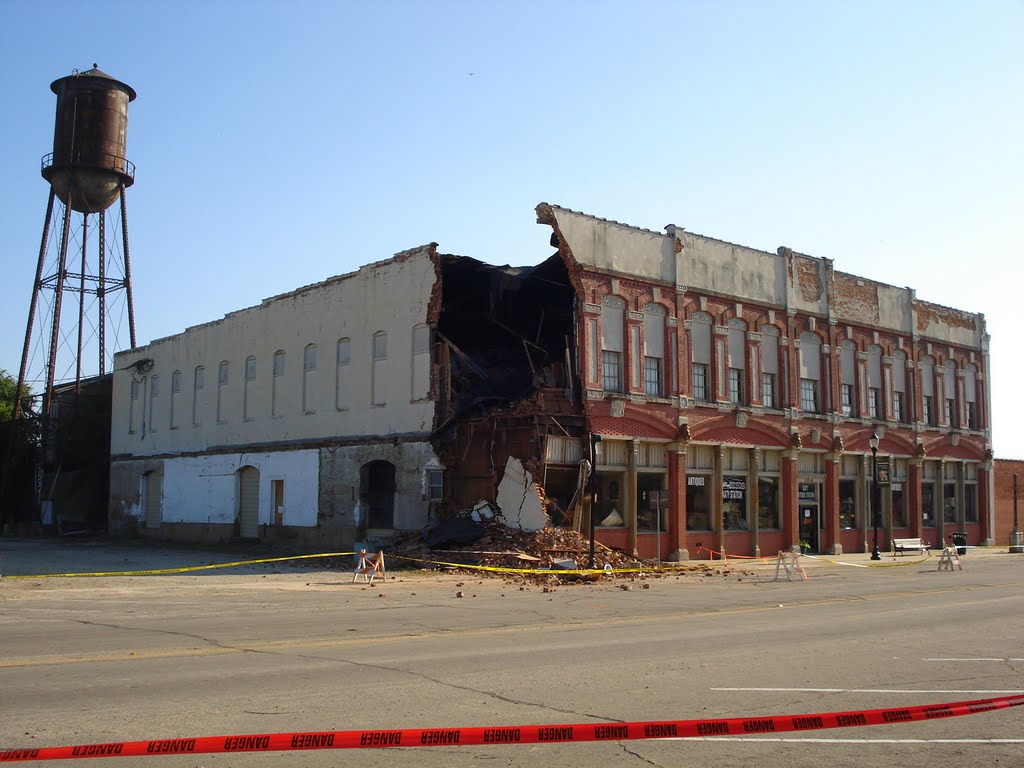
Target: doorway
(248, 503)
(379, 492)
(810, 515)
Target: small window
(809, 395)
(736, 386)
(611, 370)
(874, 397)
(928, 410)
(846, 393)
(435, 485)
(653, 378)
(380, 346)
(700, 381)
(768, 389)
(899, 406)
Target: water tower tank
(88, 166)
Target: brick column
(830, 503)
(753, 370)
(753, 495)
(886, 406)
(913, 495)
(790, 509)
(677, 502)
(984, 501)
(630, 496)
(717, 516)
(633, 362)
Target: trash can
(960, 542)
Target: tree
(8, 385)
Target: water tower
(88, 172)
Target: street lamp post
(873, 442)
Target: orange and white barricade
(370, 566)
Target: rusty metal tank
(88, 167)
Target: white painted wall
(203, 489)
(391, 296)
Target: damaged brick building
(728, 395)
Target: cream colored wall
(706, 265)
(392, 296)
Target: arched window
(223, 379)
(810, 372)
(613, 309)
(875, 382)
(249, 398)
(380, 368)
(971, 396)
(737, 362)
(700, 355)
(420, 362)
(654, 350)
(277, 385)
(769, 366)
(899, 386)
(848, 378)
(342, 386)
(928, 390)
(175, 399)
(198, 382)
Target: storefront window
(767, 502)
(650, 501)
(698, 503)
(949, 503)
(734, 503)
(971, 503)
(899, 506)
(848, 504)
(928, 518)
(609, 500)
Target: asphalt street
(285, 647)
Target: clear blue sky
(279, 144)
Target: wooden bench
(901, 545)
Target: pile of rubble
(480, 536)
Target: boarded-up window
(198, 384)
(277, 385)
(133, 411)
(249, 397)
(309, 404)
(380, 368)
(175, 399)
(342, 385)
(154, 393)
(223, 379)
(420, 362)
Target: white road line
(775, 740)
(863, 690)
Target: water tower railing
(119, 164)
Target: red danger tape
(513, 734)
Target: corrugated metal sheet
(652, 455)
(560, 449)
(700, 457)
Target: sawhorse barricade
(790, 561)
(370, 566)
(948, 559)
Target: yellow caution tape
(188, 569)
